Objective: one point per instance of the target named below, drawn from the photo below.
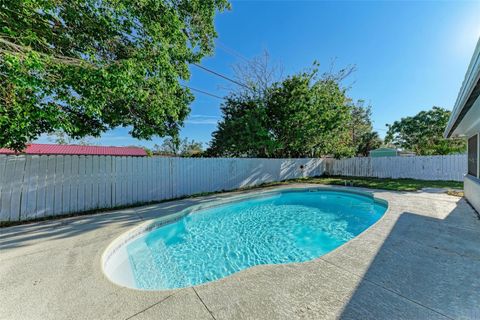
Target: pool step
(166, 267)
(143, 264)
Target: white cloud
(202, 119)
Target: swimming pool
(207, 244)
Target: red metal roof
(58, 149)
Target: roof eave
(468, 93)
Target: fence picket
(37, 186)
(16, 186)
(41, 187)
(451, 167)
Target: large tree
(304, 115)
(363, 138)
(85, 66)
(423, 133)
(244, 129)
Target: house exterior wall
(472, 183)
(472, 191)
(383, 152)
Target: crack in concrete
(153, 305)
(211, 313)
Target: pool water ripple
(281, 228)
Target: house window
(473, 155)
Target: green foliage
(86, 66)
(303, 115)
(191, 148)
(363, 138)
(148, 151)
(368, 141)
(243, 131)
(176, 147)
(169, 147)
(423, 134)
(307, 116)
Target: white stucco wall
(472, 191)
(472, 184)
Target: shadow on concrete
(29, 234)
(423, 267)
(22, 235)
(35, 232)
(422, 263)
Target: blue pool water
(280, 228)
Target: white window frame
(478, 154)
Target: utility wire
(204, 92)
(221, 75)
(231, 51)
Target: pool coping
(116, 250)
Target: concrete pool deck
(420, 261)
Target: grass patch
(386, 184)
(372, 183)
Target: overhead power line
(231, 51)
(221, 75)
(203, 92)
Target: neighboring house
(390, 152)
(383, 152)
(465, 121)
(65, 149)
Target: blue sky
(409, 55)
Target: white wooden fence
(451, 167)
(38, 186)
